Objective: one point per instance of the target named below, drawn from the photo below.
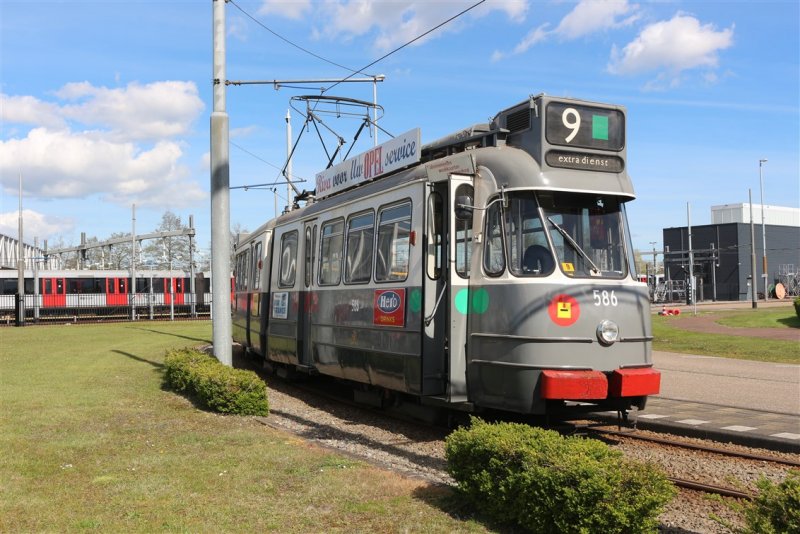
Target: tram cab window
(515, 234)
(494, 261)
(463, 237)
(394, 228)
(360, 237)
(588, 233)
(330, 257)
(288, 265)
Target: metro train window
(359, 242)
(288, 266)
(394, 247)
(330, 256)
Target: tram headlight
(607, 332)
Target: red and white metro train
(490, 269)
(94, 293)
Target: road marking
(694, 422)
(786, 435)
(652, 416)
(739, 428)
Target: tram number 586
(604, 298)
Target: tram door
(307, 301)
(448, 252)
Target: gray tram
(490, 269)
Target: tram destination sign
(584, 161)
(580, 126)
(390, 156)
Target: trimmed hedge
(215, 386)
(776, 509)
(546, 483)
(796, 303)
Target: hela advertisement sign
(392, 155)
(389, 307)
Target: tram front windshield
(584, 232)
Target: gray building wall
(729, 244)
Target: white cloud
(588, 17)
(30, 110)
(63, 164)
(676, 45)
(136, 112)
(591, 16)
(35, 224)
(388, 23)
(118, 144)
(536, 35)
(290, 9)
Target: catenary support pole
(220, 199)
(133, 262)
(20, 265)
(753, 282)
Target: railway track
(698, 447)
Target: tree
(168, 251)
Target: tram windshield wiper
(594, 271)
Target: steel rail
(703, 448)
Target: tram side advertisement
(390, 156)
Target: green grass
(670, 338)
(89, 441)
(770, 318)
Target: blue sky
(107, 103)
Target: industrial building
(722, 254)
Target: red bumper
(594, 385)
(634, 383)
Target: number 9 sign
(574, 125)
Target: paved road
(770, 387)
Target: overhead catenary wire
(412, 41)
(289, 42)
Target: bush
(214, 385)
(543, 482)
(776, 509)
(797, 306)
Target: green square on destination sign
(600, 127)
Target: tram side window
(360, 234)
(494, 260)
(288, 266)
(394, 227)
(435, 235)
(330, 257)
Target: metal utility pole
(752, 252)
(20, 265)
(655, 268)
(761, 163)
(690, 291)
(133, 262)
(220, 199)
(288, 174)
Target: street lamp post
(764, 274)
